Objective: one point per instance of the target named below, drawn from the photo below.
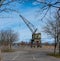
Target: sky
(11, 20)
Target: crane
(36, 37)
(29, 25)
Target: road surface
(28, 54)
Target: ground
(29, 54)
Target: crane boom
(30, 25)
(35, 36)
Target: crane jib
(30, 25)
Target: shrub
(7, 50)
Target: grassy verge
(7, 50)
(0, 58)
(54, 55)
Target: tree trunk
(59, 47)
(0, 55)
(55, 46)
(10, 46)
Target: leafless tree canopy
(8, 37)
(46, 5)
(52, 28)
(49, 6)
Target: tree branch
(45, 14)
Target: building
(37, 39)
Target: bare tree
(6, 5)
(47, 6)
(8, 37)
(52, 28)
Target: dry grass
(0, 58)
(48, 47)
(7, 50)
(57, 55)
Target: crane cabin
(37, 39)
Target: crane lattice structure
(36, 37)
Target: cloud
(18, 25)
(41, 0)
(35, 3)
(11, 20)
(24, 34)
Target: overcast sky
(29, 11)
